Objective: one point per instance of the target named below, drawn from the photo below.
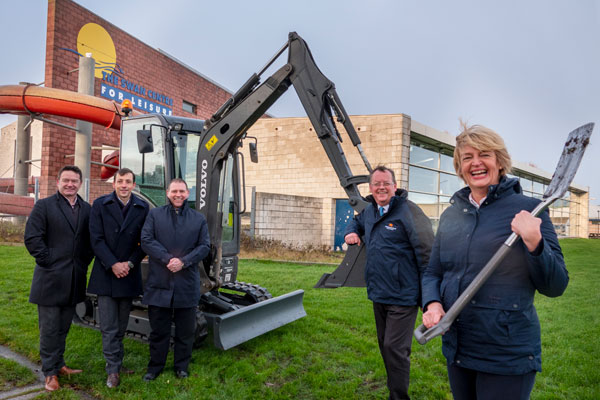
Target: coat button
(515, 306)
(465, 210)
(116, 231)
(530, 357)
(473, 302)
(458, 361)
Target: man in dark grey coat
(116, 225)
(176, 239)
(57, 236)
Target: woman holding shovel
(493, 349)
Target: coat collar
(135, 200)
(184, 206)
(111, 202)
(505, 187)
(64, 206)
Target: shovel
(562, 178)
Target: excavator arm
(228, 126)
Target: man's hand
(175, 265)
(528, 227)
(120, 269)
(433, 315)
(352, 238)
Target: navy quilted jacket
(499, 331)
(398, 246)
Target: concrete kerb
(35, 389)
(25, 392)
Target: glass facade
(432, 181)
(564, 212)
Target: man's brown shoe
(113, 380)
(52, 383)
(69, 371)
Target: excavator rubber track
(252, 293)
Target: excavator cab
(159, 148)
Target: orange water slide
(22, 99)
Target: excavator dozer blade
(239, 326)
(350, 273)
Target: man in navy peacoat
(116, 223)
(57, 236)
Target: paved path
(25, 392)
(32, 390)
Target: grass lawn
(330, 354)
(14, 375)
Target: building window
(189, 107)
(431, 179)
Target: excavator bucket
(350, 273)
(241, 325)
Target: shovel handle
(423, 335)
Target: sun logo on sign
(93, 38)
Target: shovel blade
(570, 159)
(239, 326)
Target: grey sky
(527, 69)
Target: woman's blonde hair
(483, 139)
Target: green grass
(14, 375)
(330, 354)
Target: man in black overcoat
(116, 224)
(57, 236)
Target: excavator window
(184, 154)
(227, 199)
(149, 168)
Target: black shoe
(181, 374)
(150, 376)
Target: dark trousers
(395, 325)
(114, 317)
(54, 323)
(468, 384)
(160, 337)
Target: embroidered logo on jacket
(390, 227)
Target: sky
(527, 69)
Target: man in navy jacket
(57, 236)
(116, 223)
(398, 237)
(176, 239)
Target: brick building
(153, 79)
